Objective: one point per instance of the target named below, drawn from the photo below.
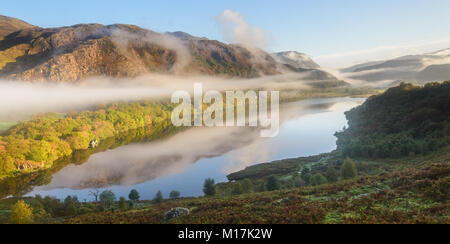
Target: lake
(183, 161)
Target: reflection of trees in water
(23, 184)
(140, 163)
(148, 167)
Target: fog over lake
(183, 161)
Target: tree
(21, 213)
(247, 186)
(123, 203)
(305, 171)
(107, 198)
(332, 175)
(348, 170)
(272, 183)
(318, 179)
(209, 187)
(298, 181)
(174, 194)
(307, 178)
(159, 197)
(134, 195)
(71, 205)
(237, 189)
(306, 175)
(95, 193)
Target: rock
(175, 213)
(284, 200)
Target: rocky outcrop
(176, 213)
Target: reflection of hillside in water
(113, 164)
(138, 163)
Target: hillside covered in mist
(122, 51)
(421, 68)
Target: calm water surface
(183, 161)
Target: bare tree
(95, 193)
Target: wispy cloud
(238, 31)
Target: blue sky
(318, 28)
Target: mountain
(9, 25)
(413, 68)
(75, 53)
(81, 51)
(301, 63)
(295, 59)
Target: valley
(87, 133)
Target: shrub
(21, 213)
(209, 187)
(134, 195)
(332, 175)
(318, 179)
(174, 194)
(348, 170)
(107, 198)
(272, 183)
(159, 197)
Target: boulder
(175, 213)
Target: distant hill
(9, 25)
(412, 68)
(296, 60)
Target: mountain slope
(9, 25)
(414, 68)
(75, 53)
(405, 120)
(295, 59)
(81, 51)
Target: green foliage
(332, 175)
(318, 179)
(404, 121)
(21, 213)
(134, 195)
(237, 189)
(209, 187)
(44, 139)
(247, 186)
(123, 204)
(158, 198)
(174, 194)
(307, 178)
(272, 183)
(70, 206)
(107, 198)
(348, 170)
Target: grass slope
(416, 192)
